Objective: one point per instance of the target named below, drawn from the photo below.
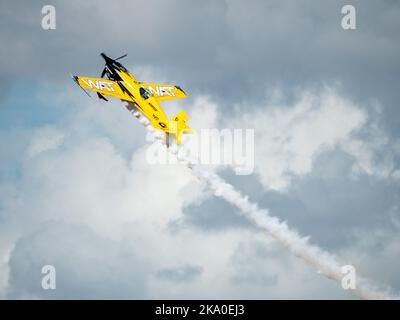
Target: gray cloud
(234, 50)
(246, 257)
(88, 265)
(212, 214)
(180, 274)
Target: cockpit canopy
(144, 93)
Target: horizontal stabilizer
(177, 125)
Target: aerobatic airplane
(139, 96)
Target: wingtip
(75, 78)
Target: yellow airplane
(140, 96)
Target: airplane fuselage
(143, 100)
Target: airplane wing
(103, 87)
(164, 91)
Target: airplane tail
(177, 125)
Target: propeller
(105, 57)
(103, 72)
(123, 56)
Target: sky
(77, 191)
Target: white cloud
(105, 185)
(374, 152)
(375, 253)
(288, 138)
(44, 139)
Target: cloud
(289, 138)
(95, 188)
(47, 138)
(376, 153)
(180, 274)
(384, 243)
(88, 266)
(224, 48)
(95, 214)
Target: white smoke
(322, 261)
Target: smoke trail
(324, 262)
